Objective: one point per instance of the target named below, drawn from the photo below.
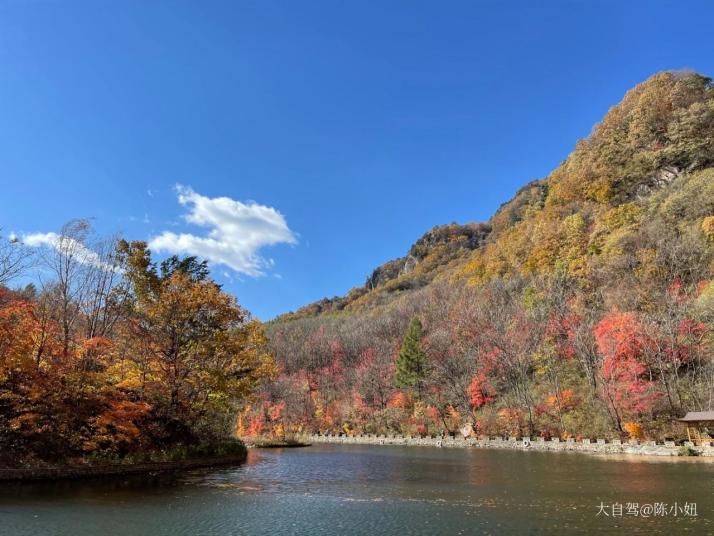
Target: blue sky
(312, 140)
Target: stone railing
(597, 446)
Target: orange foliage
(117, 428)
(634, 430)
(399, 400)
(566, 398)
(479, 391)
(18, 336)
(256, 425)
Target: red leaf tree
(626, 383)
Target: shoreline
(267, 443)
(117, 469)
(597, 447)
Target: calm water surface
(333, 489)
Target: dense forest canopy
(113, 356)
(585, 306)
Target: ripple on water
(369, 490)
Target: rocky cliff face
(446, 242)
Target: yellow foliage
(708, 228)
(278, 430)
(241, 421)
(319, 408)
(620, 216)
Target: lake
(356, 489)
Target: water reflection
(115, 488)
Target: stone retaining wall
(598, 446)
(85, 471)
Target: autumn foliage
(585, 306)
(121, 357)
(625, 382)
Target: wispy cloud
(136, 219)
(69, 246)
(237, 232)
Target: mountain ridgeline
(584, 306)
(428, 256)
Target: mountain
(661, 130)
(583, 306)
(436, 250)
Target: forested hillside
(585, 306)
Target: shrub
(686, 450)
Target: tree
(191, 266)
(205, 354)
(68, 259)
(625, 380)
(411, 362)
(15, 259)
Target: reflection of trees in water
(107, 488)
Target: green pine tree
(411, 363)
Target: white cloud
(69, 246)
(136, 219)
(236, 232)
